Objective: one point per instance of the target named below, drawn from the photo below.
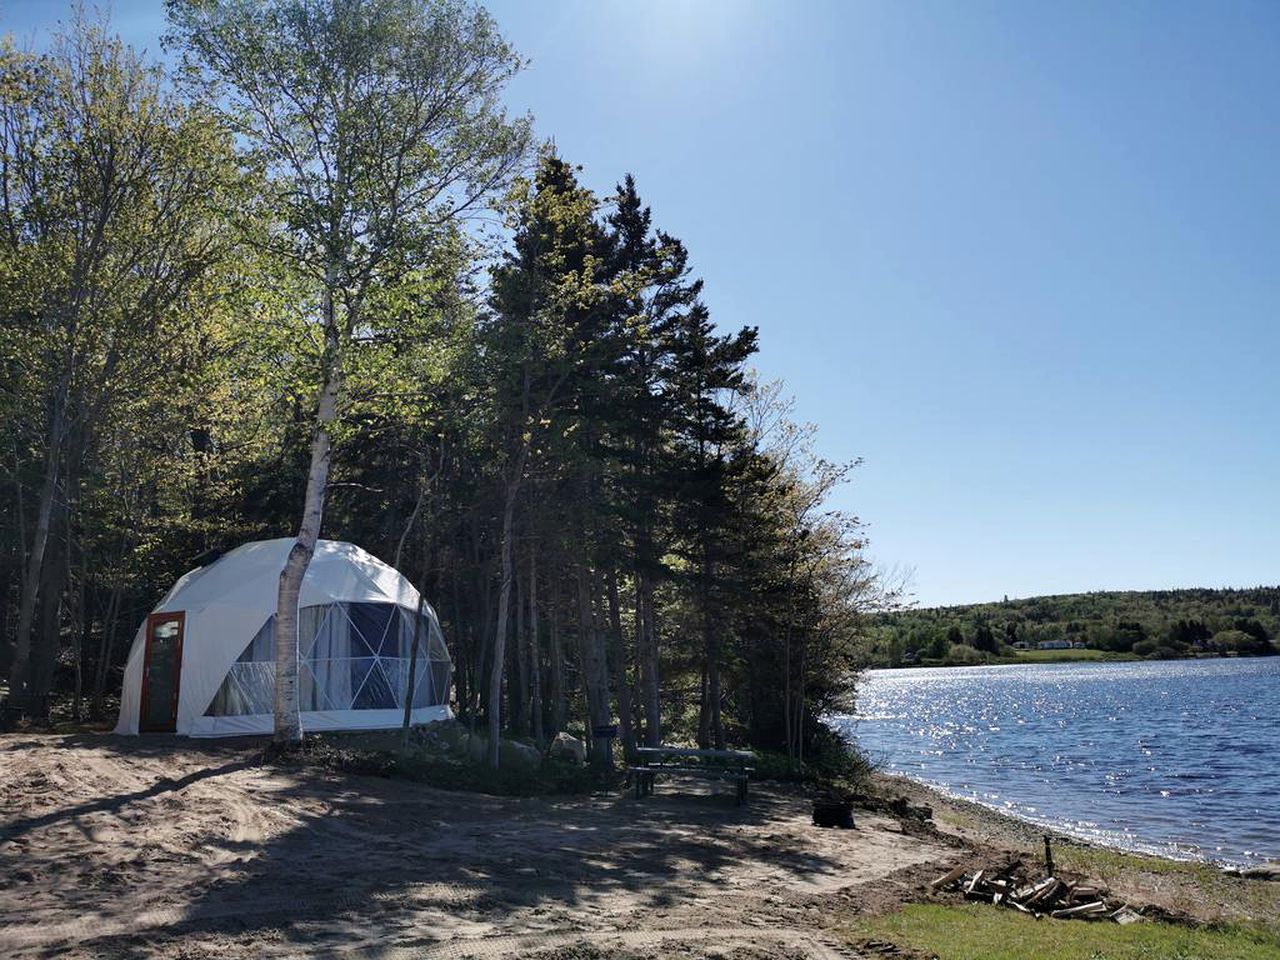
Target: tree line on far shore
(1156, 624)
(315, 281)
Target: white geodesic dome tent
(203, 662)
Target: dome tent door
(161, 672)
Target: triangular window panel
(422, 685)
(396, 672)
(440, 674)
(247, 689)
(438, 649)
(314, 630)
(333, 679)
(378, 624)
(262, 647)
(376, 694)
(311, 692)
(361, 670)
(360, 645)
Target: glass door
(161, 672)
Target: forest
(311, 278)
(1155, 624)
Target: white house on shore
(1054, 645)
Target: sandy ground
(156, 847)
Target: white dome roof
(226, 611)
(249, 576)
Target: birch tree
(378, 125)
(108, 193)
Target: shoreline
(1032, 659)
(1187, 891)
(1033, 830)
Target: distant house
(1054, 645)
(1020, 645)
(1079, 645)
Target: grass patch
(1067, 656)
(981, 932)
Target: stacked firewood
(1012, 886)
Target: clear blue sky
(1024, 258)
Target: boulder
(512, 754)
(566, 747)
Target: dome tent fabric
(203, 662)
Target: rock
(1265, 871)
(566, 747)
(512, 754)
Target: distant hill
(1110, 624)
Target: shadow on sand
(362, 853)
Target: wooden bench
(730, 765)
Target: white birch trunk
(288, 727)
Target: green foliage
(1241, 643)
(559, 421)
(1160, 623)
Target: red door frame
(171, 726)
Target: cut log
(974, 883)
(1097, 908)
(1040, 891)
(949, 877)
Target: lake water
(1179, 758)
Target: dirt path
(169, 848)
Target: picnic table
(729, 765)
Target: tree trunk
(557, 665)
(464, 660)
(413, 665)
(20, 673)
(504, 610)
(651, 666)
(105, 651)
(595, 668)
(520, 698)
(535, 651)
(79, 624)
(53, 589)
(483, 597)
(787, 635)
(618, 646)
(715, 695)
(288, 727)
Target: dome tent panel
(355, 621)
(352, 656)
